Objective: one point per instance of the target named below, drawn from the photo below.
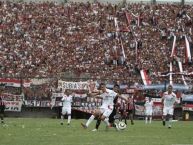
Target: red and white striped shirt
(130, 103)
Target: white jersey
(66, 101)
(169, 99)
(108, 98)
(148, 105)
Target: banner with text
(12, 97)
(13, 106)
(140, 110)
(73, 85)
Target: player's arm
(121, 97)
(62, 100)
(175, 100)
(95, 94)
(145, 103)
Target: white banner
(55, 95)
(11, 97)
(13, 106)
(36, 81)
(53, 98)
(15, 82)
(140, 110)
(73, 85)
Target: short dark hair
(170, 86)
(101, 84)
(116, 85)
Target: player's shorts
(106, 111)
(168, 110)
(66, 110)
(148, 112)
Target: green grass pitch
(31, 131)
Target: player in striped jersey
(131, 108)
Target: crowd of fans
(46, 39)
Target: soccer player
(106, 109)
(123, 111)
(131, 108)
(168, 100)
(148, 110)
(66, 106)
(116, 88)
(2, 108)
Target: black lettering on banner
(70, 86)
(75, 86)
(84, 86)
(14, 108)
(65, 85)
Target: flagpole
(170, 77)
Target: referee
(2, 108)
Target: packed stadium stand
(106, 41)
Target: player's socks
(125, 120)
(98, 123)
(62, 119)
(146, 119)
(90, 120)
(69, 119)
(150, 119)
(2, 121)
(170, 123)
(164, 122)
(107, 122)
(116, 126)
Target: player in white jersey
(106, 109)
(148, 110)
(168, 100)
(66, 106)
